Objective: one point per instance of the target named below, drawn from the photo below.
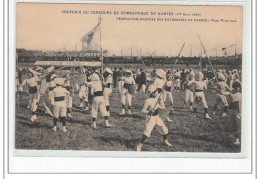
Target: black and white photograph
(137, 78)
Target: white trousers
(167, 94)
(60, 109)
(177, 83)
(33, 100)
(98, 104)
(189, 97)
(68, 100)
(126, 96)
(107, 93)
(51, 97)
(155, 121)
(143, 88)
(199, 99)
(221, 99)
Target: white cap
(161, 73)
(108, 70)
(50, 69)
(199, 76)
(37, 68)
(221, 76)
(53, 76)
(236, 83)
(129, 71)
(169, 75)
(59, 81)
(191, 75)
(31, 71)
(94, 77)
(152, 88)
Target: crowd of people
(158, 85)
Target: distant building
(93, 53)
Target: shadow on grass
(22, 118)
(82, 122)
(223, 142)
(34, 125)
(80, 110)
(128, 116)
(129, 143)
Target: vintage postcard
(132, 78)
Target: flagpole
(101, 51)
(179, 55)
(235, 50)
(131, 52)
(200, 64)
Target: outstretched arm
(144, 110)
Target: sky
(46, 27)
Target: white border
(240, 163)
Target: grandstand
(31, 56)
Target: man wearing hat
(32, 83)
(177, 77)
(199, 98)
(68, 97)
(183, 78)
(235, 110)
(167, 92)
(83, 95)
(115, 76)
(60, 106)
(127, 91)
(222, 90)
(88, 79)
(39, 69)
(142, 81)
(160, 80)
(189, 97)
(107, 86)
(151, 109)
(52, 85)
(50, 71)
(98, 101)
(121, 76)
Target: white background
(119, 164)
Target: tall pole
(17, 55)
(200, 63)
(190, 50)
(101, 51)
(235, 50)
(208, 58)
(179, 55)
(131, 52)
(166, 81)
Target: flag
(90, 41)
(225, 51)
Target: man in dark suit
(142, 81)
(115, 76)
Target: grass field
(186, 132)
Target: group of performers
(158, 86)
